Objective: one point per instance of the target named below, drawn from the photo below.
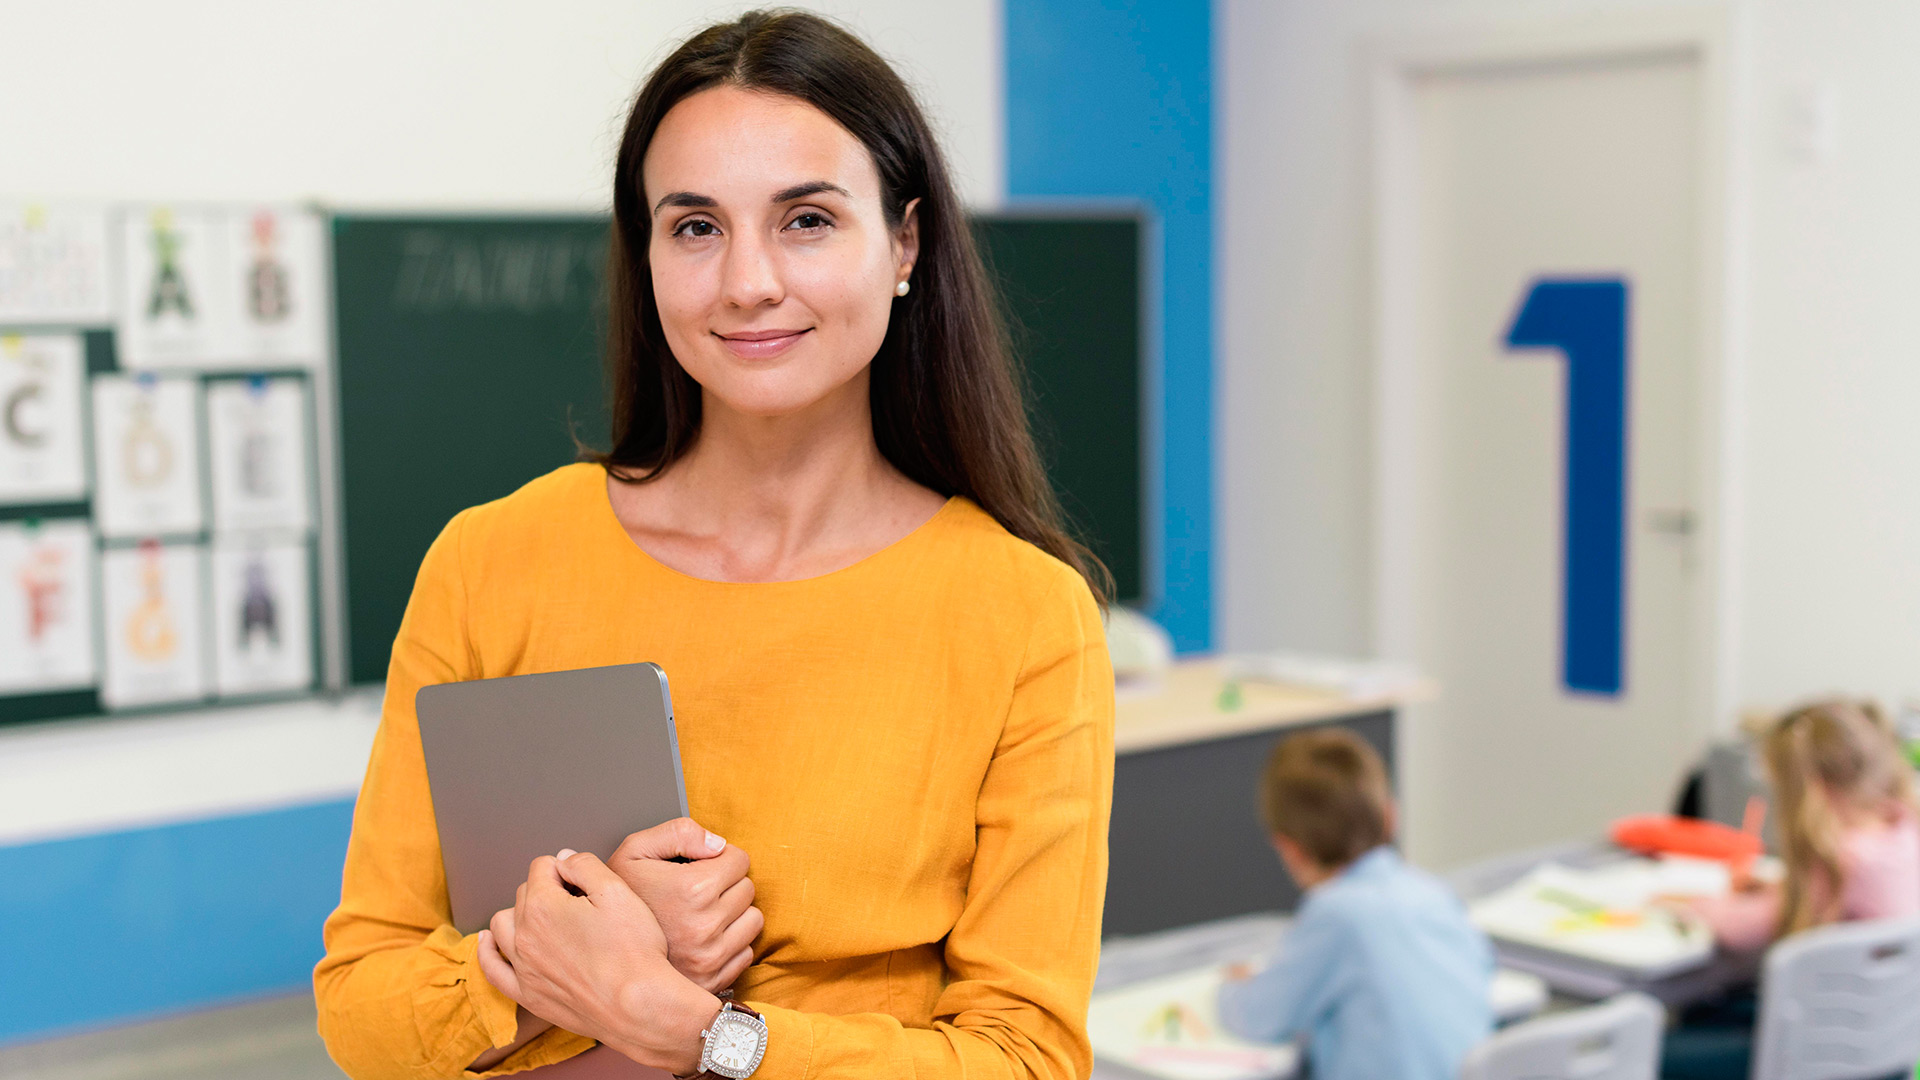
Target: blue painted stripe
(1587, 320)
(115, 927)
(1115, 99)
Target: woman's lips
(761, 344)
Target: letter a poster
(221, 288)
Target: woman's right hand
(704, 906)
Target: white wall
(1824, 328)
(422, 103)
(1831, 582)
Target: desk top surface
(1196, 701)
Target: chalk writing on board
(441, 271)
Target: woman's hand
(705, 906)
(596, 964)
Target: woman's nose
(752, 275)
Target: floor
(263, 1040)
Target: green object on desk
(1230, 698)
(1578, 904)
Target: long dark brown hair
(945, 394)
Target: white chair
(1841, 1002)
(1618, 1039)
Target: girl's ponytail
(1827, 760)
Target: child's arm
(1310, 970)
(1742, 921)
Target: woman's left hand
(596, 964)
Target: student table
(1246, 938)
(1130, 960)
(1186, 844)
(1580, 978)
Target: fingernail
(714, 843)
(565, 852)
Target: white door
(1548, 517)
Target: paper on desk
(1516, 995)
(1356, 678)
(1604, 914)
(1170, 1027)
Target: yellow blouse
(916, 751)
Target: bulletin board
(159, 478)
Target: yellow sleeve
(1023, 954)
(399, 992)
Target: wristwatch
(732, 1045)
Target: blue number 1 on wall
(1586, 319)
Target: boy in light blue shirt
(1381, 971)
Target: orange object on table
(1663, 834)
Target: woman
(823, 516)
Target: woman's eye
(809, 221)
(696, 227)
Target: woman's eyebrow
(811, 187)
(683, 198)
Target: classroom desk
(1575, 977)
(1246, 938)
(1224, 941)
(1187, 845)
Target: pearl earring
(901, 289)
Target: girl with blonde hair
(1849, 828)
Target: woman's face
(773, 265)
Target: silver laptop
(523, 766)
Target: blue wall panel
(132, 924)
(1114, 100)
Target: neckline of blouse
(609, 520)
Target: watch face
(735, 1045)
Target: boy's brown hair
(1327, 792)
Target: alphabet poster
(221, 288)
(42, 445)
(257, 436)
(172, 308)
(146, 452)
(262, 624)
(46, 606)
(276, 265)
(152, 625)
(53, 265)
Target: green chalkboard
(469, 353)
(1070, 287)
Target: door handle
(1671, 521)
